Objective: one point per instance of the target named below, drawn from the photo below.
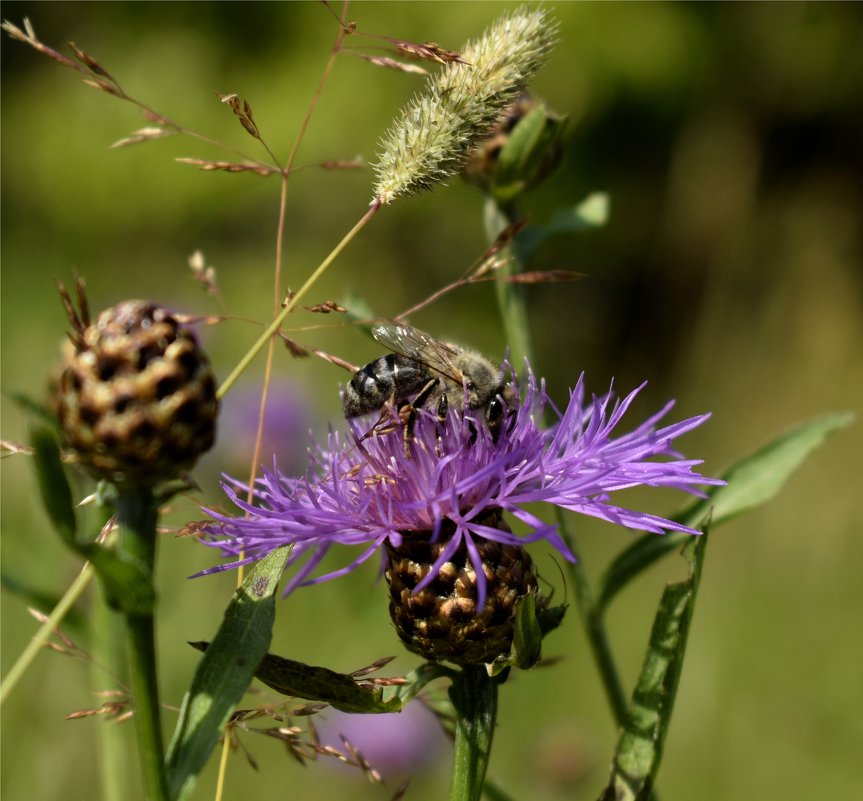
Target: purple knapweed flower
(362, 490)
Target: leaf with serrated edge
(751, 482)
(224, 672)
(639, 749)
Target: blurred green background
(729, 138)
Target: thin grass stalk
(374, 208)
(44, 632)
(277, 282)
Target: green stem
(594, 627)
(510, 297)
(109, 662)
(136, 518)
(474, 695)
(515, 320)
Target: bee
(421, 372)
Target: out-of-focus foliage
(727, 136)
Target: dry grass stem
(203, 273)
(428, 51)
(388, 63)
(230, 166)
(143, 135)
(10, 448)
(326, 307)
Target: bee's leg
(442, 409)
(408, 413)
(385, 422)
(494, 414)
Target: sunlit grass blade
(639, 749)
(751, 483)
(224, 672)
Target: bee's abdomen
(391, 376)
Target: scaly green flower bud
(431, 138)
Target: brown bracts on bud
(442, 621)
(137, 398)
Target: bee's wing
(419, 346)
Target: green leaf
(526, 634)
(224, 672)
(751, 482)
(313, 683)
(342, 690)
(530, 154)
(639, 748)
(529, 628)
(124, 582)
(126, 585)
(38, 599)
(592, 212)
(36, 409)
(53, 484)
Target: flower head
(364, 491)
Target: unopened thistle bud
(444, 621)
(522, 149)
(137, 398)
(431, 138)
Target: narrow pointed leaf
(341, 690)
(529, 629)
(592, 212)
(527, 635)
(751, 483)
(39, 411)
(224, 672)
(314, 683)
(53, 484)
(43, 601)
(639, 749)
(126, 585)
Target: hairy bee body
(391, 377)
(422, 371)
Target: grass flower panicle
(362, 490)
(431, 138)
